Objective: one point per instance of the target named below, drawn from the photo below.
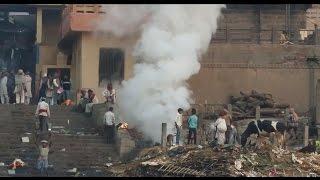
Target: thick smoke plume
(173, 38)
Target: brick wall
(215, 83)
(124, 142)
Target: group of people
(223, 129)
(15, 88)
(88, 98)
(54, 89)
(43, 113)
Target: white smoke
(173, 38)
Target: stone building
(245, 53)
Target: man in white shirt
(3, 89)
(178, 125)
(43, 112)
(109, 124)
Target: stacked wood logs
(245, 105)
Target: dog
(265, 128)
(169, 140)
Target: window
(111, 65)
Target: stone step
(79, 148)
(82, 151)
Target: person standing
(20, 87)
(56, 88)
(42, 162)
(43, 112)
(28, 94)
(66, 84)
(193, 125)
(92, 100)
(109, 125)
(231, 133)
(3, 89)
(43, 87)
(220, 128)
(49, 91)
(178, 125)
(11, 86)
(293, 123)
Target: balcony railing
(80, 17)
(271, 36)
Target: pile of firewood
(245, 105)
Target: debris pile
(231, 161)
(245, 105)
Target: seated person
(83, 100)
(110, 94)
(284, 39)
(92, 99)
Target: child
(42, 163)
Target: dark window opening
(111, 65)
(69, 59)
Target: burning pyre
(122, 125)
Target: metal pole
(306, 135)
(164, 135)
(258, 113)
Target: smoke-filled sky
(173, 38)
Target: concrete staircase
(75, 144)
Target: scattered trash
(73, 170)
(63, 150)
(176, 151)
(16, 164)
(57, 127)
(2, 164)
(273, 172)
(28, 133)
(80, 133)
(109, 164)
(149, 163)
(238, 164)
(248, 162)
(200, 147)
(312, 175)
(25, 139)
(49, 126)
(77, 174)
(11, 172)
(295, 159)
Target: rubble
(73, 170)
(231, 161)
(17, 163)
(109, 164)
(25, 139)
(11, 172)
